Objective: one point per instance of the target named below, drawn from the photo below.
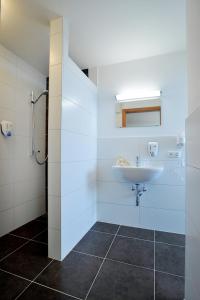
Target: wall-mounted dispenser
(6, 128)
(180, 140)
(153, 149)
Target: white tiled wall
(72, 149)
(22, 181)
(54, 139)
(164, 72)
(162, 206)
(192, 291)
(192, 207)
(78, 156)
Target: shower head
(44, 93)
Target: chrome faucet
(137, 161)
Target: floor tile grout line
(122, 262)
(39, 242)
(28, 241)
(28, 238)
(31, 282)
(21, 237)
(112, 242)
(137, 266)
(163, 272)
(147, 229)
(84, 253)
(14, 251)
(175, 245)
(102, 264)
(75, 296)
(35, 282)
(31, 239)
(61, 292)
(127, 264)
(43, 221)
(52, 260)
(104, 259)
(102, 232)
(114, 260)
(125, 236)
(19, 276)
(155, 270)
(39, 233)
(137, 238)
(22, 292)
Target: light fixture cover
(138, 95)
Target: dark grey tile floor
(111, 262)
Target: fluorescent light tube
(138, 95)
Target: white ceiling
(101, 31)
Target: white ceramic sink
(138, 174)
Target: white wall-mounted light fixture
(138, 95)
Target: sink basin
(138, 174)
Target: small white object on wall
(180, 140)
(6, 128)
(174, 154)
(153, 149)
